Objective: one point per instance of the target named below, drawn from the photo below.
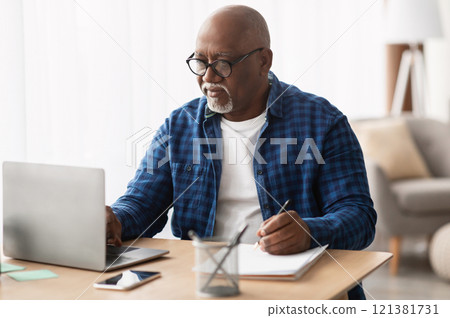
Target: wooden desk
(325, 280)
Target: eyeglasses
(220, 67)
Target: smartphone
(127, 280)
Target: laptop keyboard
(114, 251)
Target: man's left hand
(285, 233)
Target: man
(238, 153)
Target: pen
(283, 208)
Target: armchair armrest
(385, 203)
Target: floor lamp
(411, 22)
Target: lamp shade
(412, 21)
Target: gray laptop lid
(54, 214)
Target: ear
(266, 61)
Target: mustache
(208, 86)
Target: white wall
(12, 99)
(437, 59)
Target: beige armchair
(414, 206)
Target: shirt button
(266, 206)
(260, 172)
(189, 168)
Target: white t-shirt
(238, 200)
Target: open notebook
(255, 264)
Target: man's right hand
(113, 228)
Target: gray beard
(217, 108)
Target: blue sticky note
(33, 275)
(10, 268)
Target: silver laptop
(56, 215)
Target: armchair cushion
(423, 196)
(389, 143)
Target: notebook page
(256, 262)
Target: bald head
(240, 24)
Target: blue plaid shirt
(179, 168)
